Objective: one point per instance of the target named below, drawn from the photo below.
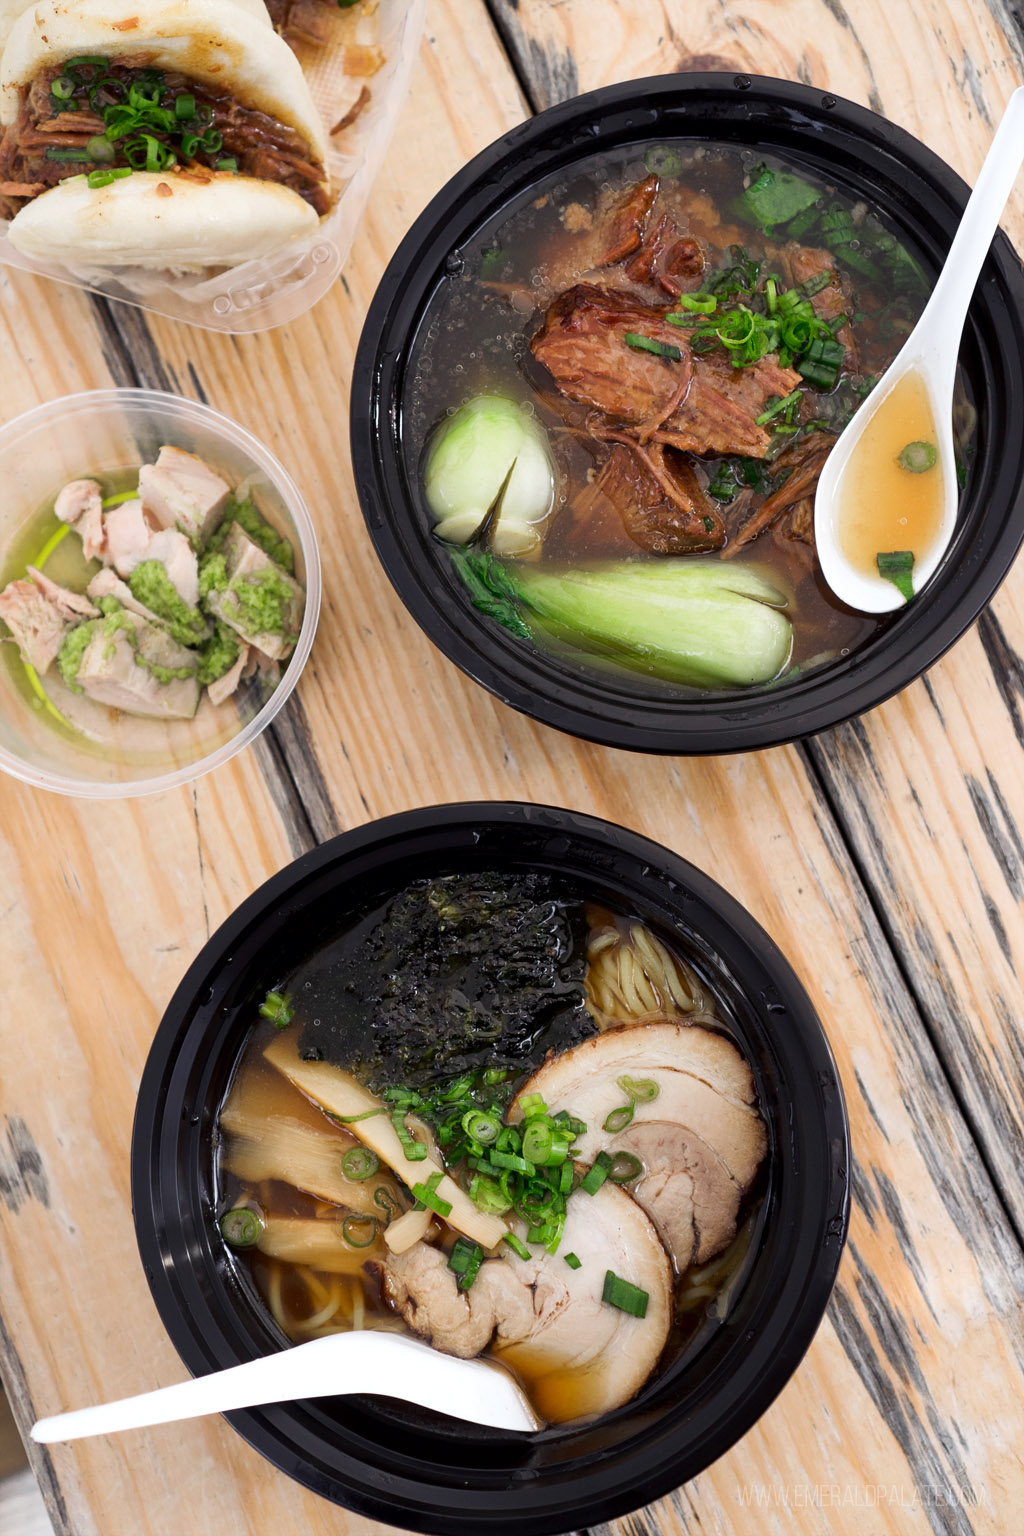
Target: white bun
(162, 220)
(214, 42)
(10, 10)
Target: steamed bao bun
(10, 10)
(176, 219)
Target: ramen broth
(476, 340)
(628, 971)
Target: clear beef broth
(475, 339)
(307, 1300)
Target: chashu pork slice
(700, 1138)
(578, 1354)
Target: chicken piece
(178, 558)
(703, 1113)
(106, 583)
(181, 491)
(224, 686)
(260, 602)
(70, 605)
(128, 533)
(80, 504)
(580, 1355)
(659, 500)
(582, 344)
(36, 625)
(117, 669)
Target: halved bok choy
(700, 622)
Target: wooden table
(885, 857)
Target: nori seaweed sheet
(452, 975)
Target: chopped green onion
(509, 1160)
(815, 284)
(723, 487)
(783, 403)
(100, 149)
(428, 1196)
(596, 1175)
(647, 344)
(619, 1118)
(359, 1163)
(482, 1127)
(189, 145)
(63, 89)
(659, 159)
(918, 457)
(184, 107)
(367, 1114)
(487, 1195)
(495, 1075)
(229, 163)
(277, 1007)
(573, 1262)
(622, 1294)
(897, 566)
(644, 1089)
(517, 1245)
(414, 1150)
(625, 1168)
(241, 1228)
(353, 1229)
(532, 1104)
(537, 1143)
(464, 1261)
(698, 303)
(74, 67)
(71, 156)
(383, 1197)
(212, 140)
(565, 1178)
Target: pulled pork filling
(93, 116)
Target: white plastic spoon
(385, 1364)
(931, 350)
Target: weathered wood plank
(922, 1355)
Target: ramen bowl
(55, 740)
(401, 1464)
(868, 160)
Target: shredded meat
(303, 21)
(261, 145)
(658, 497)
(805, 461)
(627, 220)
(719, 414)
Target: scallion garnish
(624, 1295)
(596, 1174)
(427, 1195)
(359, 1231)
(414, 1150)
(918, 457)
(643, 1089)
(359, 1163)
(573, 1262)
(464, 1261)
(277, 1007)
(698, 303)
(367, 1114)
(517, 1245)
(184, 107)
(241, 1227)
(619, 1118)
(625, 1168)
(897, 566)
(648, 344)
(63, 89)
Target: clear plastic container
(275, 289)
(59, 740)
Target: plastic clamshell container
(105, 754)
(275, 289)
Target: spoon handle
(387, 1364)
(952, 293)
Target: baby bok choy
(702, 622)
(490, 463)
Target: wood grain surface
(885, 858)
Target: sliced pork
(580, 1355)
(181, 491)
(700, 1127)
(80, 505)
(140, 669)
(36, 625)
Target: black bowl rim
(673, 886)
(524, 677)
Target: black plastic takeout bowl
(406, 1466)
(868, 158)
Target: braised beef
(627, 220)
(804, 263)
(719, 413)
(261, 145)
(804, 463)
(658, 497)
